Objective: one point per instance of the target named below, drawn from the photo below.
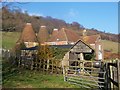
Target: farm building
(42, 35)
(60, 37)
(95, 42)
(28, 37)
(79, 51)
(27, 44)
(28, 55)
(69, 37)
(63, 37)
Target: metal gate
(86, 74)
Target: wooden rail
(86, 74)
(107, 76)
(113, 75)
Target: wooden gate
(94, 74)
(87, 74)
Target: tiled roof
(54, 32)
(64, 35)
(83, 43)
(42, 34)
(90, 39)
(28, 34)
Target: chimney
(84, 32)
(55, 29)
(43, 26)
(28, 23)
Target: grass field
(9, 39)
(33, 79)
(109, 45)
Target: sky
(102, 16)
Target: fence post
(118, 73)
(65, 74)
(32, 64)
(52, 66)
(107, 83)
(19, 60)
(106, 76)
(109, 76)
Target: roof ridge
(83, 42)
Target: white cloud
(36, 14)
(24, 10)
(72, 13)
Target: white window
(99, 47)
(99, 55)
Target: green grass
(9, 39)
(109, 45)
(33, 79)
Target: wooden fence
(45, 66)
(113, 75)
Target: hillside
(110, 46)
(14, 21)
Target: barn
(80, 51)
(95, 42)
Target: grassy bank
(33, 79)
